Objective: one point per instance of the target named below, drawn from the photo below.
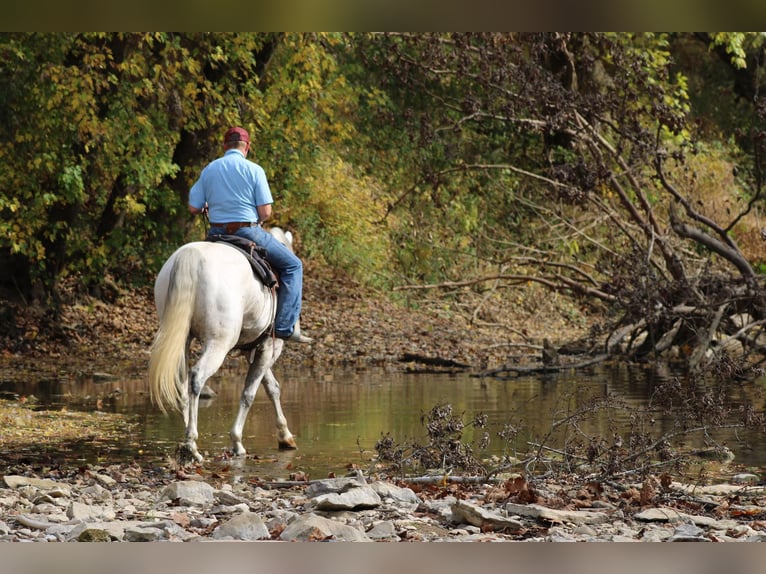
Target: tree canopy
(623, 169)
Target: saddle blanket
(255, 255)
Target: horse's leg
(184, 386)
(252, 382)
(209, 362)
(284, 436)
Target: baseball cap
(236, 135)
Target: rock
(541, 512)
(116, 530)
(354, 499)
(143, 534)
(718, 489)
(312, 527)
(244, 526)
(655, 534)
(688, 533)
(745, 478)
(129, 509)
(228, 498)
(332, 485)
(14, 482)
(464, 511)
(401, 495)
(94, 535)
(97, 492)
(659, 515)
(105, 480)
(189, 493)
(584, 530)
(383, 531)
(88, 512)
(442, 506)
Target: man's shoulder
(255, 167)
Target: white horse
(206, 290)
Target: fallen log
(533, 369)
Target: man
(236, 194)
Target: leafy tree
(559, 158)
(107, 131)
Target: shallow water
(338, 415)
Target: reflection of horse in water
(206, 291)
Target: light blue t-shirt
(232, 186)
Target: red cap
(236, 135)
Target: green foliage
(106, 133)
(398, 157)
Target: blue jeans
(290, 270)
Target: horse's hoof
(288, 444)
(186, 454)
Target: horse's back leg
(209, 362)
(252, 382)
(285, 438)
(260, 370)
(183, 390)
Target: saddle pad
(255, 255)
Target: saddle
(255, 255)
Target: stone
(312, 527)
(228, 498)
(105, 480)
(659, 515)
(115, 529)
(332, 485)
(89, 512)
(189, 493)
(552, 515)
(354, 499)
(97, 492)
(584, 530)
(244, 526)
(399, 494)
(464, 511)
(143, 534)
(383, 531)
(688, 533)
(14, 481)
(94, 535)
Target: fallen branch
(525, 370)
(432, 361)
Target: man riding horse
(235, 193)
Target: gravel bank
(129, 504)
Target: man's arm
(196, 210)
(264, 212)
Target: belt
(232, 226)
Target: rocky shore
(128, 504)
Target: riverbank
(128, 503)
(351, 326)
(151, 500)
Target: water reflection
(337, 416)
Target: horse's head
(283, 236)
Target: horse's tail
(167, 363)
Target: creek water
(338, 415)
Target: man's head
(236, 138)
